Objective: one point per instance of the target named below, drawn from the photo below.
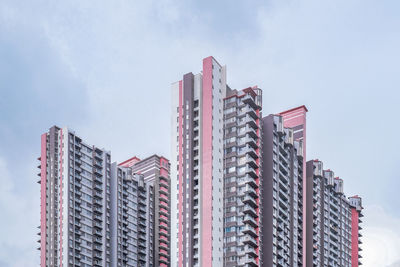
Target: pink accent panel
(206, 221)
(163, 161)
(354, 237)
(163, 172)
(292, 118)
(163, 189)
(43, 177)
(180, 233)
(61, 197)
(129, 162)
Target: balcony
(249, 150)
(249, 240)
(250, 111)
(283, 186)
(251, 141)
(283, 195)
(250, 261)
(250, 220)
(248, 99)
(252, 162)
(249, 210)
(97, 210)
(250, 251)
(97, 171)
(250, 200)
(250, 190)
(247, 229)
(250, 181)
(251, 171)
(252, 122)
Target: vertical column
(206, 213)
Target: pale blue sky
(104, 68)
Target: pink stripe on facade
(180, 233)
(43, 177)
(354, 237)
(206, 213)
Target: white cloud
(19, 219)
(381, 238)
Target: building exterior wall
(329, 215)
(197, 167)
(296, 119)
(97, 214)
(282, 220)
(77, 177)
(242, 176)
(239, 192)
(155, 171)
(129, 221)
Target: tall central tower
(197, 167)
(215, 171)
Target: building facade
(215, 174)
(296, 118)
(155, 173)
(197, 167)
(129, 218)
(332, 240)
(282, 195)
(242, 177)
(94, 213)
(238, 191)
(75, 201)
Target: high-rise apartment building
(75, 201)
(155, 172)
(215, 147)
(216, 170)
(296, 118)
(197, 167)
(94, 213)
(282, 195)
(238, 193)
(242, 173)
(332, 239)
(129, 218)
